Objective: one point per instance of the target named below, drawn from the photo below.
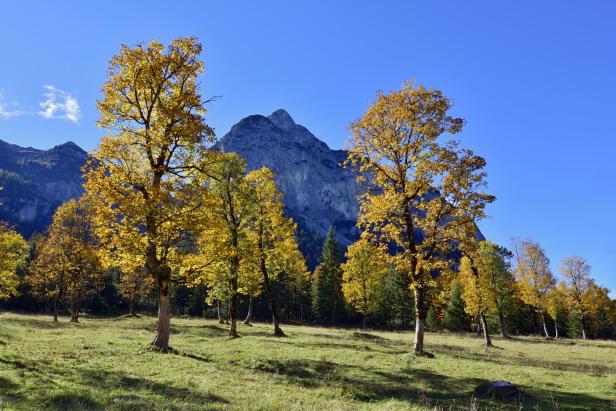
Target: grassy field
(108, 364)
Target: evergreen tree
(432, 323)
(327, 301)
(455, 318)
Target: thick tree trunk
(249, 314)
(233, 308)
(420, 321)
(74, 311)
(545, 326)
(486, 332)
(164, 312)
(55, 310)
(478, 330)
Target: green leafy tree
(456, 318)
(327, 302)
(495, 260)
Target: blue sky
(534, 80)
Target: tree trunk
(420, 321)
(478, 326)
(74, 311)
(55, 310)
(486, 332)
(363, 322)
(583, 327)
(219, 313)
(555, 329)
(249, 314)
(270, 292)
(164, 311)
(233, 308)
(502, 324)
(131, 308)
(545, 325)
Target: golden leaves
(426, 194)
(13, 253)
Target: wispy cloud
(9, 109)
(59, 104)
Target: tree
(601, 311)
(495, 260)
(133, 283)
(476, 291)
(13, 254)
(557, 305)
(362, 274)
(67, 263)
(327, 281)
(227, 259)
(142, 177)
(274, 236)
(421, 188)
(535, 280)
(576, 273)
(456, 318)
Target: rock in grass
(499, 389)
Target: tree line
(164, 213)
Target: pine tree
(327, 301)
(456, 318)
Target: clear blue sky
(535, 80)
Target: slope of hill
(36, 181)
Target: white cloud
(59, 104)
(9, 109)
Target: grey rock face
(35, 182)
(318, 191)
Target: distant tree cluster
(169, 225)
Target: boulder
(499, 389)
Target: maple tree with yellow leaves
(422, 189)
(143, 176)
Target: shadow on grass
(456, 352)
(72, 401)
(132, 392)
(8, 391)
(415, 386)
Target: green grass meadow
(108, 364)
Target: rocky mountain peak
(282, 119)
(318, 192)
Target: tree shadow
(114, 381)
(415, 386)
(8, 391)
(72, 401)
(535, 362)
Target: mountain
(318, 191)
(35, 182)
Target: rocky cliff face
(35, 182)
(318, 192)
